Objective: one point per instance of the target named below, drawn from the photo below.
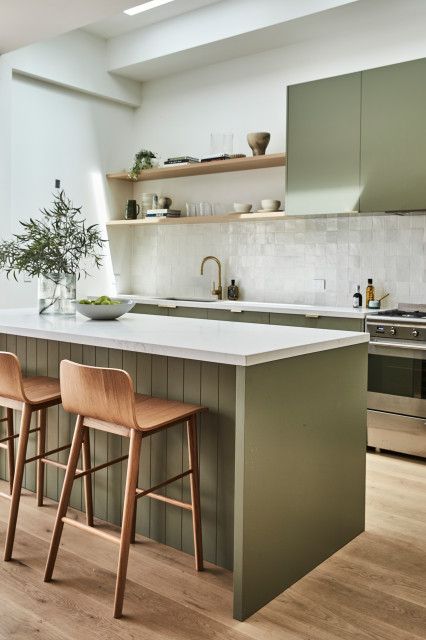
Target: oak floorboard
(372, 589)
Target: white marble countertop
(234, 343)
(243, 305)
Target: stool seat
(156, 413)
(41, 389)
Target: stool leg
(195, 492)
(41, 448)
(10, 447)
(127, 524)
(133, 536)
(77, 442)
(88, 498)
(17, 482)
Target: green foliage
(56, 243)
(143, 160)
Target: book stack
(163, 213)
(180, 160)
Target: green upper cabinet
(393, 137)
(323, 146)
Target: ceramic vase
(258, 142)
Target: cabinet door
(323, 146)
(244, 316)
(393, 138)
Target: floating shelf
(205, 168)
(229, 217)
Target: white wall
(58, 133)
(62, 115)
(177, 115)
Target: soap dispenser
(233, 291)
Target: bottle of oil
(369, 292)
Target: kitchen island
(282, 448)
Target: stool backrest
(11, 377)
(97, 392)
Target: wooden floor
(375, 588)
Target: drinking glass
(204, 209)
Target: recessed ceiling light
(152, 4)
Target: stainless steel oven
(397, 384)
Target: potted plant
(143, 160)
(57, 248)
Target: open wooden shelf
(205, 168)
(229, 217)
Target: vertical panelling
(163, 455)
(3, 432)
(114, 488)
(29, 368)
(158, 453)
(208, 444)
(129, 364)
(48, 364)
(174, 463)
(100, 455)
(11, 346)
(65, 420)
(89, 358)
(191, 393)
(144, 386)
(76, 352)
(226, 462)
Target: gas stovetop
(400, 313)
(407, 322)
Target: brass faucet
(216, 292)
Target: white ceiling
(121, 23)
(24, 22)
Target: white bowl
(270, 205)
(241, 207)
(105, 311)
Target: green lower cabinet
(256, 317)
(340, 324)
(188, 312)
(292, 320)
(150, 309)
(244, 316)
(320, 322)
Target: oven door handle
(389, 348)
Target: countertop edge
(239, 306)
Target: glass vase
(56, 293)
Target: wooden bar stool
(29, 395)
(104, 399)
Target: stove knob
(415, 333)
(392, 331)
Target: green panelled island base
(301, 435)
(285, 440)
(163, 455)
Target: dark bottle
(357, 304)
(233, 291)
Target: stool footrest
(55, 463)
(140, 493)
(15, 435)
(5, 495)
(80, 474)
(43, 456)
(96, 532)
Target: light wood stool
(28, 395)
(104, 399)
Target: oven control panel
(394, 330)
